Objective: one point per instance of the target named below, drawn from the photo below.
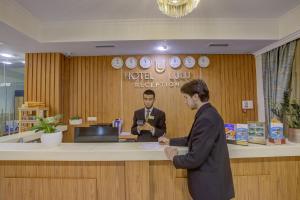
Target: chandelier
(177, 8)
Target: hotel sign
(147, 79)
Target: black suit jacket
(207, 161)
(159, 123)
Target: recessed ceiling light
(106, 46)
(218, 45)
(162, 48)
(6, 55)
(6, 62)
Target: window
(11, 96)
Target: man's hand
(171, 152)
(163, 140)
(148, 127)
(140, 128)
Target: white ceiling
(17, 43)
(65, 10)
(150, 47)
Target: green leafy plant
(288, 111)
(75, 118)
(294, 115)
(281, 110)
(47, 125)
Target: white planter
(75, 121)
(51, 139)
(294, 135)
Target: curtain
(295, 82)
(277, 70)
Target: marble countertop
(127, 151)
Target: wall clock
(145, 62)
(203, 61)
(131, 62)
(117, 62)
(189, 61)
(175, 62)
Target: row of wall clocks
(146, 62)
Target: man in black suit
(207, 161)
(149, 123)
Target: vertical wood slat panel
(43, 77)
(75, 86)
(58, 61)
(84, 85)
(48, 79)
(94, 86)
(65, 86)
(72, 88)
(87, 87)
(38, 76)
(83, 97)
(79, 90)
(52, 85)
(26, 76)
(34, 74)
(96, 89)
(43, 80)
(100, 63)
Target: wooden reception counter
(138, 171)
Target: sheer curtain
(277, 67)
(295, 82)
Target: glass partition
(11, 96)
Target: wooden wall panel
(89, 86)
(111, 180)
(48, 189)
(167, 99)
(66, 93)
(112, 91)
(256, 178)
(162, 189)
(137, 177)
(43, 79)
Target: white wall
(260, 91)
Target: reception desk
(137, 171)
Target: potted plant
(75, 120)
(51, 136)
(294, 121)
(289, 113)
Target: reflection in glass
(11, 96)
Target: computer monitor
(96, 133)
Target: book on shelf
(241, 134)
(230, 133)
(276, 133)
(257, 132)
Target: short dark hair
(149, 92)
(196, 87)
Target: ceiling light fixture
(6, 55)
(163, 47)
(177, 8)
